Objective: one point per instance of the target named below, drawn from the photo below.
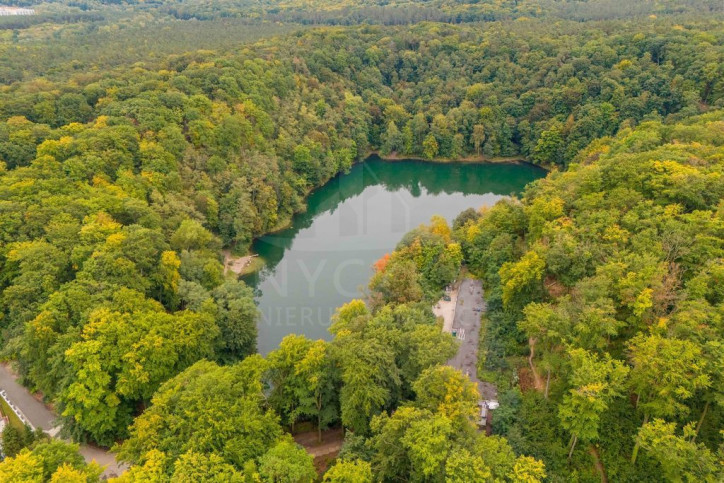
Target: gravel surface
(446, 310)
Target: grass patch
(256, 264)
(10, 414)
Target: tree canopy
(606, 281)
(139, 139)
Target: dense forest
(90, 35)
(608, 276)
(350, 12)
(128, 164)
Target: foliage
(606, 269)
(595, 383)
(447, 391)
(424, 262)
(304, 382)
(287, 462)
(123, 358)
(680, 457)
(15, 440)
(53, 461)
(126, 165)
(381, 354)
(349, 471)
(208, 410)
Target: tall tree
(681, 459)
(595, 383)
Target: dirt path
(332, 440)
(113, 468)
(537, 381)
(235, 264)
(326, 451)
(597, 462)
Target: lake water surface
(324, 259)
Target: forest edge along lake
(324, 258)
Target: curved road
(42, 417)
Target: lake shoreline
(325, 258)
(394, 157)
(287, 222)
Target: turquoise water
(324, 259)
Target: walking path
(40, 416)
(324, 452)
(466, 324)
(332, 440)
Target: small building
(486, 414)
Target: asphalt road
(470, 306)
(42, 417)
(36, 412)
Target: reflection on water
(324, 259)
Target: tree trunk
(599, 464)
(573, 446)
(548, 383)
(319, 418)
(701, 421)
(635, 452)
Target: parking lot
(466, 327)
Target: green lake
(324, 258)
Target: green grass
(12, 417)
(256, 264)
